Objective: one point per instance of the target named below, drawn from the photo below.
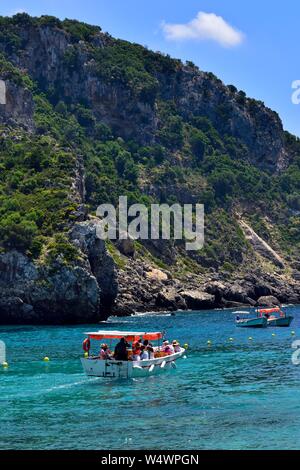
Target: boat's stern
(109, 368)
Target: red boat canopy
(129, 335)
(269, 310)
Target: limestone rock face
(39, 294)
(197, 300)
(80, 292)
(85, 236)
(268, 301)
(170, 300)
(47, 48)
(45, 59)
(16, 267)
(16, 106)
(257, 126)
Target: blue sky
(251, 44)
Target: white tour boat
(95, 366)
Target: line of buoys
(231, 340)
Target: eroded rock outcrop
(85, 236)
(42, 294)
(197, 300)
(268, 301)
(78, 292)
(17, 106)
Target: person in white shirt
(105, 353)
(136, 349)
(144, 354)
(168, 348)
(176, 346)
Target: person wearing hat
(176, 346)
(136, 350)
(105, 353)
(167, 348)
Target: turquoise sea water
(232, 395)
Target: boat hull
(129, 369)
(283, 322)
(252, 323)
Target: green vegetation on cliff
(169, 150)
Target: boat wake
(153, 314)
(74, 384)
(42, 391)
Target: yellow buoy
(185, 346)
(293, 333)
(46, 359)
(273, 334)
(231, 339)
(250, 338)
(209, 342)
(5, 365)
(86, 354)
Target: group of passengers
(139, 351)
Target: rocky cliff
(87, 118)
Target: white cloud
(204, 26)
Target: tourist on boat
(137, 351)
(105, 353)
(151, 352)
(136, 343)
(167, 348)
(176, 346)
(144, 353)
(121, 353)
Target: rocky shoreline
(152, 292)
(94, 287)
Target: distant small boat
(256, 322)
(276, 317)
